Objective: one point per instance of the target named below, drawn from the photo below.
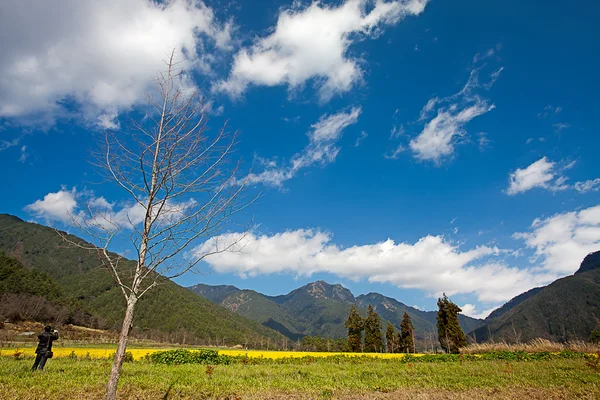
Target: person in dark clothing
(44, 348)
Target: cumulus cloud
(59, 206)
(445, 118)
(563, 240)
(84, 208)
(432, 264)
(546, 174)
(321, 150)
(102, 56)
(471, 310)
(312, 43)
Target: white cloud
(58, 206)
(563, 240)
(312, 43)
(558, 127)
(431, 264)
(468, 309)
(546, 175)
(363, 136)
(484, 142)
(445, 119)
(7, 144)
(587, 186)
(109, 120)
(472, 311)
(540, 174)
(101, 55)
(549, 110)
(71, 206)
(321, 150)
(24, 154)
(438, 138)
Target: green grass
(84, 379)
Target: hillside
(567, 309)
(169, 312)
(260, 308)
(423, 321)
(512, 303)
(319, 309)
(30, 295)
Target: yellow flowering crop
(283, 354)
(138, 353)
(82, 352)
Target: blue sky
(404, 147)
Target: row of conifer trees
(364, 334)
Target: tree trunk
(115, 372)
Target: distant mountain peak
(383, 301)
(323, 290)
(214, 293)
(590, 262)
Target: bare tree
(182, 181)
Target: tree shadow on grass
(166, 396)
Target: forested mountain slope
(168, 310)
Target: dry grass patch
(534, 346)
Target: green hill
(169, 312)
(512, 303)
(567, 309)
(319, 309)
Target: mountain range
(565, 310)
(319, 309)
(41, 277)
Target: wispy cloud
(549, 110)
(560, 126)
(322, 149)
(24, 154)
(363, 136)
(7, 144)
(445, 118)
(592, 185)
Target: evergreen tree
(355, 325)
(450, 334)
(390, 339)
(398, 342)
(595, 337)
(408, 334)
(373, 340)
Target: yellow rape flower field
(138, 353)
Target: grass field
(352, 378)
